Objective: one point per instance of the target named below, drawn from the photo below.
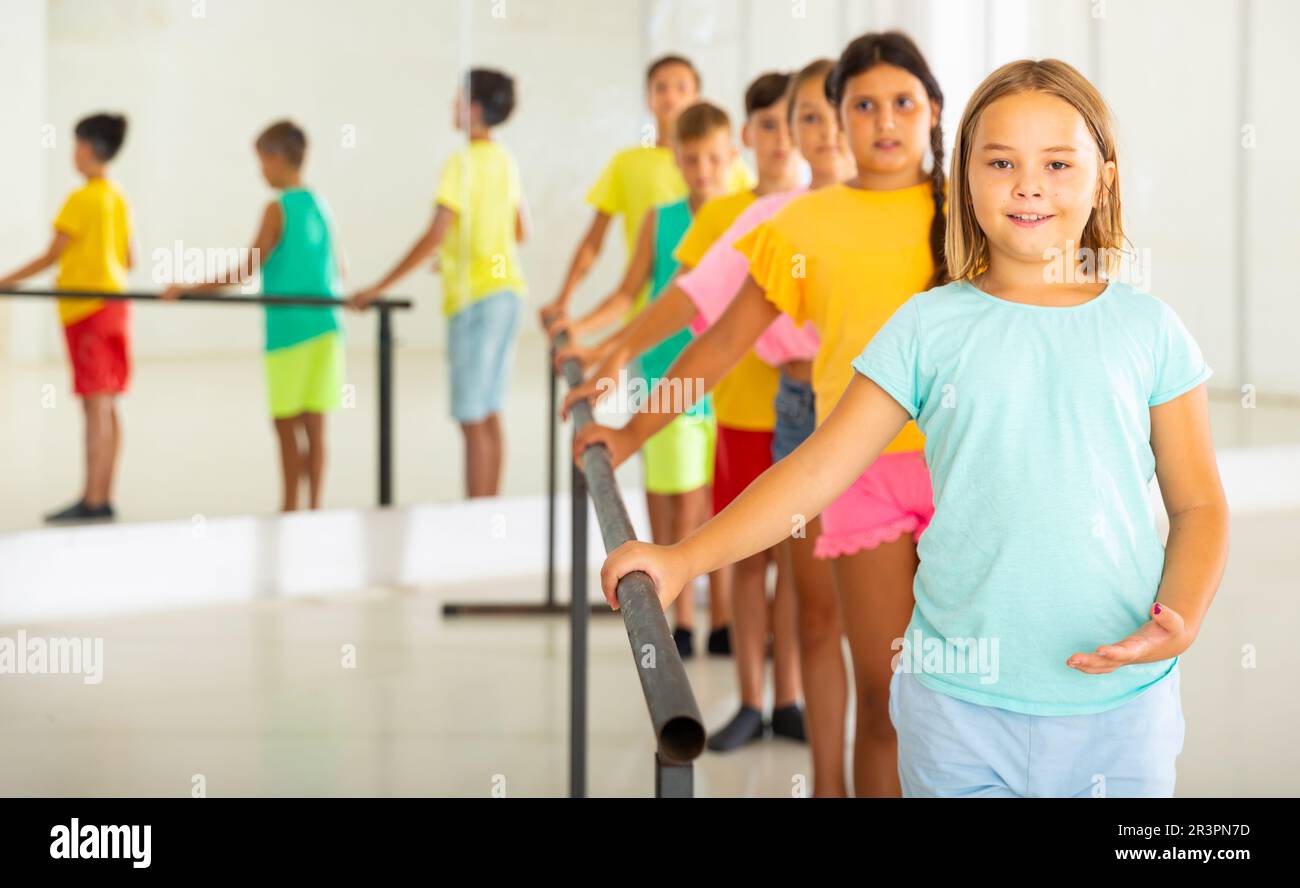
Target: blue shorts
(948, 747)
(796, 416)
(480, 346)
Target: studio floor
(255, 698)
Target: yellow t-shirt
(710, 221)
(638, 179)
(744, 398)
(846, 259)
(98, 222)
(478, 257)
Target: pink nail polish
(1157, 607)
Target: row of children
(955, 440)
(479, 211)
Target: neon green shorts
(679, 457)
(307, 377)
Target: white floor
(254, 696)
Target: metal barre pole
(578, 637)
(385, 359)
(674, 713)
(205, 298)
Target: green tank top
(671, 222)
(303, 263)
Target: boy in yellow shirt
(638, 179)
(478, 220)
(92, 247)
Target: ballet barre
(674, 713)
(385, 307)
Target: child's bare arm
(40, 263)
(794, 490)
(266, 240)
(583, 258)
(707, 358)
(432, 238)
(617, 304)
(523, 222)
(1197, 549)
(672, 311)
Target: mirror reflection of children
(92, 247)
(479, 219)
(304, 345)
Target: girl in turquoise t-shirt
(1050, 394)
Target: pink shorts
(889, 499)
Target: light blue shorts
(481, 346)
(950, 748)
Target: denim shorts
(949, 747)
(796, 416)
(480, 346)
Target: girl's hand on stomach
(1162, 637)
(663, 564)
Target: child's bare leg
(821, 661)
(689, 511)
(785, 646)
(478, 459)
(875, 591)
(99, 448)
(496, 452)
(749, 627)
(659, 506)
(720, 604)
(286, 431)
(314, 423)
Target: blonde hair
(966, 247)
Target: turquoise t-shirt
(303, 263)
(671, 222)
(1038, 438)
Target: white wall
(198, 89)
(23, 159)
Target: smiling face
(704, 163)
(671, 90)
(887, 117)
(1035, 175)
(818, 135)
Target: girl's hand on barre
(561, 323)
(585, 355)
(172, 293)
(619, 442)
(550, 313)
(665, 565)
(1162, 637)
(591, 390)
(361, 300)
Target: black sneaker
(720, 642)
(685, 642)
(79, 511)
(787, 721)
(745, 727)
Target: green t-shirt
(303, 263)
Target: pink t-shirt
(713, 283)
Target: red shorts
(99, 348)
(739, 457)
